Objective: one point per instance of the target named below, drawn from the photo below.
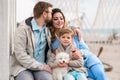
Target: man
(28, 62)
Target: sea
(101, 32)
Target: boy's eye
(63, 37)
(68, 37)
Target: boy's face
(66, 39)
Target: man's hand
(47, 68)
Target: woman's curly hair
(51, 27)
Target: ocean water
(102, 32)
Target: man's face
(48, 15)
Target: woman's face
(58, 20)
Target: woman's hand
(76, 54)
(78, 32)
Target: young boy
(76, 70)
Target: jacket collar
(28, 22)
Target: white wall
(7, 24)
(24, 9)
(4, 41)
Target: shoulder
(25, 24)
(22, 30)
(55, 44)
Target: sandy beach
(110, 55)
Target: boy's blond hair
(66, 30)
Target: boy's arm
(76, 63)
(77, 60)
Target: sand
(110, 55)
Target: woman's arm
(77, 32)
(80, 44)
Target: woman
(94, 66)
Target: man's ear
(44, 14)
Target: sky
(88, 7)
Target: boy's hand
(62, 64)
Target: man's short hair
(40, 7)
